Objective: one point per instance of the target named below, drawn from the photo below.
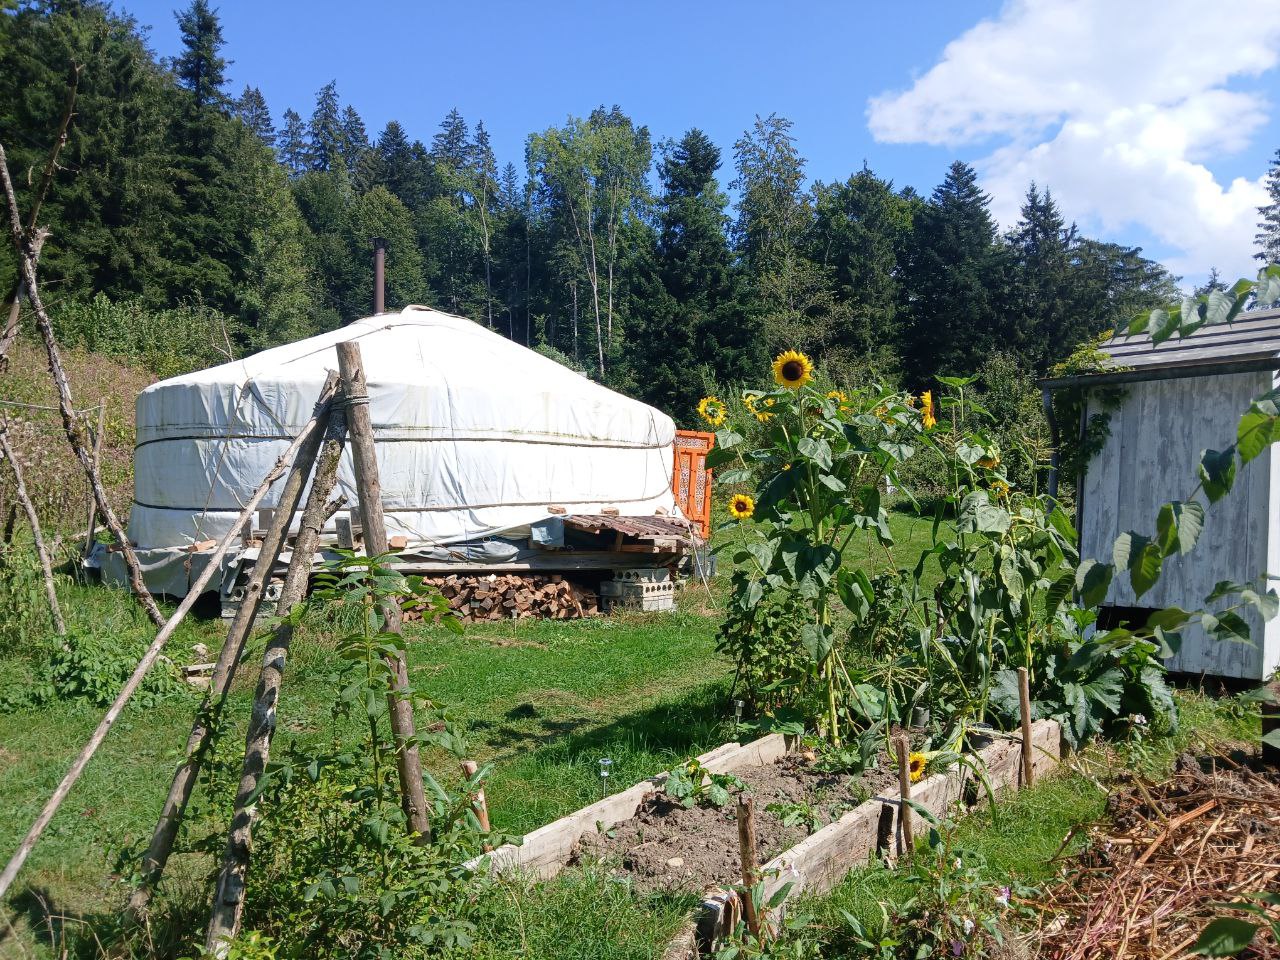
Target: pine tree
(396, 167)
(324, 130)
(252, 110)
(1268, 236)
(689, 316)
(291, 143)
(1212, 282)
(1040, 319)
(859, 229)
(200, 67)
(450, 146)
(953, 281)
(794, 293)
(355, 139)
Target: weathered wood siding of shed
(1150, 458)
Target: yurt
(486, 450)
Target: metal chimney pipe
(379, 275)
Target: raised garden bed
(815, 863)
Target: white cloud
(1119, 108)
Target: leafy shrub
(337, 873)
(167, 342)
(92, 667)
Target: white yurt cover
(476, 435)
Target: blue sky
(1152, 124)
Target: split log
(1024, 706)
(37, 536)
(369, 489)
(749, 860)
(229, 891)
(144, 665)
(903, 748)
(184, 778)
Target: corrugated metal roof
(1250, 342)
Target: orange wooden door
(691, 479)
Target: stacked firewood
(510, 596)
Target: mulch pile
(1149, 881)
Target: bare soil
(669, 847)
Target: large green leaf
(1141, 557)
(819, 451)
(856, 592)
(1163, 325)
(1093, 578)
(1227, 626)
(816, 641)
(1225, 937)
(1218, 472)
(1257, 431)
(1266, 603)
(1178, 526)
(979, 515)
(1217, 307)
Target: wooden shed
(1182, 397)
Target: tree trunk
(228, 897)
(369, 487)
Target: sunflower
(916, 763)
(741, 506)
(1000, 487)
(762, 416)
(991, 462)
(926, 410)
(712, 410)
(792, 369)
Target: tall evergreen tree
(200, 67)
(291, 143)
(1268, 236)
(794, 293)
(953, 281)
(689, 326)
(324, 130)
(355, 139)
(451, 144)
(859, 230)
(252, 110)
(1040, 316)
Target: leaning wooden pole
(903, 748)
(369, 488)
(184, 778)
(1024, 709)
(26, 242)
(144, 665)
(37, 535)
(229, 891)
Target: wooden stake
(750, 864)
(144, 665)
(1024, 702)
(184, 778)
(229, 891)
(903, 746)
(479, 805)
(97, 462)
(37, 536)
(369, 488)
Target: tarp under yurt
(476, 436)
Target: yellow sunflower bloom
(769, 401)
(792, 369)
(762, 416)
(916, 763)
(991, 462)
(712, 410)
(926, 410)
(1000, 487)
(741, 506)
